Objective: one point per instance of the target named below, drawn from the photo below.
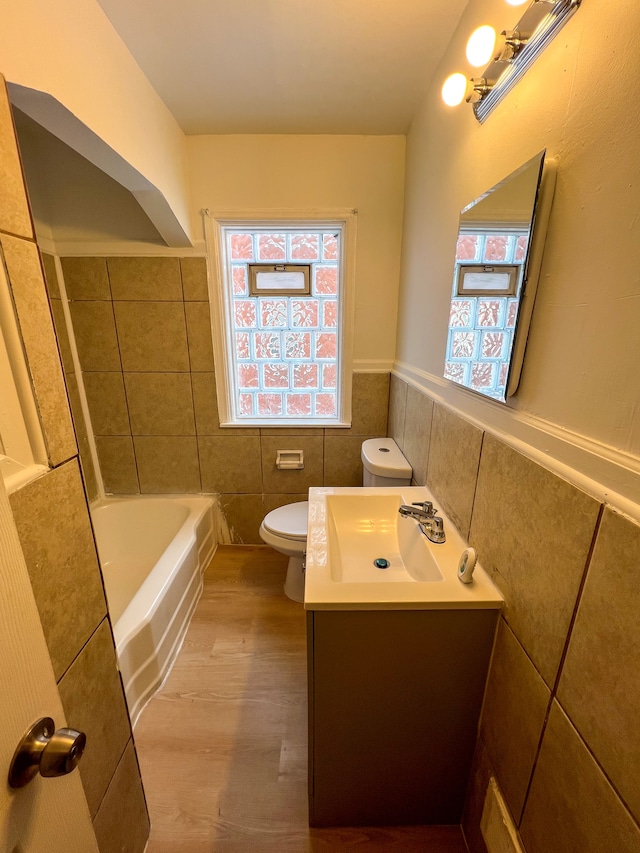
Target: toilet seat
(289, 521)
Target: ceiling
(288, 66)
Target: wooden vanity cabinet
(394, 703)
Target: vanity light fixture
(509, 55)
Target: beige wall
(579, 382)
(319, 172)
(52, 519)
(558, 729)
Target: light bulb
(454, 89)
(480, 46)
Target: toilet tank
(384, 464)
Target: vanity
(397, 662)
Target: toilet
(285, 528)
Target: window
(282, 318)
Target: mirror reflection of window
(490, 273)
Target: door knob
(46, 751)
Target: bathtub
(153, 551)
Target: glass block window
(286, 355)
(481, 327)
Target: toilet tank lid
(383, 457)
(289, 520)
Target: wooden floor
(223, 745)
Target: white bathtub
(153, 552)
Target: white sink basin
(352, 528)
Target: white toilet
(285, 528)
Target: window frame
(220, 298)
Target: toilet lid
(288, 521)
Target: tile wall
(143, 332)
(558, 728)
(52, 519)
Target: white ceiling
(288, 66)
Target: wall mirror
(498, 256)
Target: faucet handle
(427, 506)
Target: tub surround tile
(417, 433)
(199, 336)
(533, 532)
(153, 279)
(38, 337)
(282, 482)
(230, 464)
(82, 438)
(454, 456)
(107, 403)
(117, 464)
(515, 707)
(397, 409)
(571, 802)
(56, 537)
(122, 823)
(93, 702)
(194, 279)
(94, 329)
(342, 460)
(152, 336)
(599, 687)
(242, 516)
(15, 216)
(160, 403)
(167, 464)
(205, 404)
(86, 278)
(50, 275)
(62, 335)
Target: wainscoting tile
(479, 776)
(107, 403)
(93, 702)
(295, 482)
(342, 460)
(160, 403)
(533, 532)
(122, 823)
(454, 455)
(82, 437)
(50, 275)
(167, 465)
(152, 336)
(94, 328)
(572, 806)
(230, 463)
(14, 207)
(243, 516)
(417, 433)
(515, 707)
(599, 687)
(397, 409)
(199, 335)
(194, 279)
(64, 345)
(55, 534)
(117, 464)
(369, 405)
(86, 278)
(154, 279)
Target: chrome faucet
(429, 523)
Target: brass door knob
(46, 751)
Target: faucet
(429, 523)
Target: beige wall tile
(481, 772)
(56, 537)
(152, 336)
(282, 482)
(153, 279)
(342, 460)
(243, 516)
(122, 822)
(199, 336)
(205, 404)
(107, 403)
(397, 410)
(38, 337)
(369, 405)
(454, 455)
(82, 438)
(533, 533)
(93, 702)
(167, 464)
(117, 464)
(599, 687)
(50, 275)
(417, 433)
(194, 279)
(571, 806)
(62, 335)
(160, 403)
(515, 707)
(14, 207)
(86, 278)
(271, 502)
(94, 329)
(230, 463)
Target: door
(47, 815)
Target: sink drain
(381, 563)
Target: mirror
(498, 257)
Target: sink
(362, 554)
